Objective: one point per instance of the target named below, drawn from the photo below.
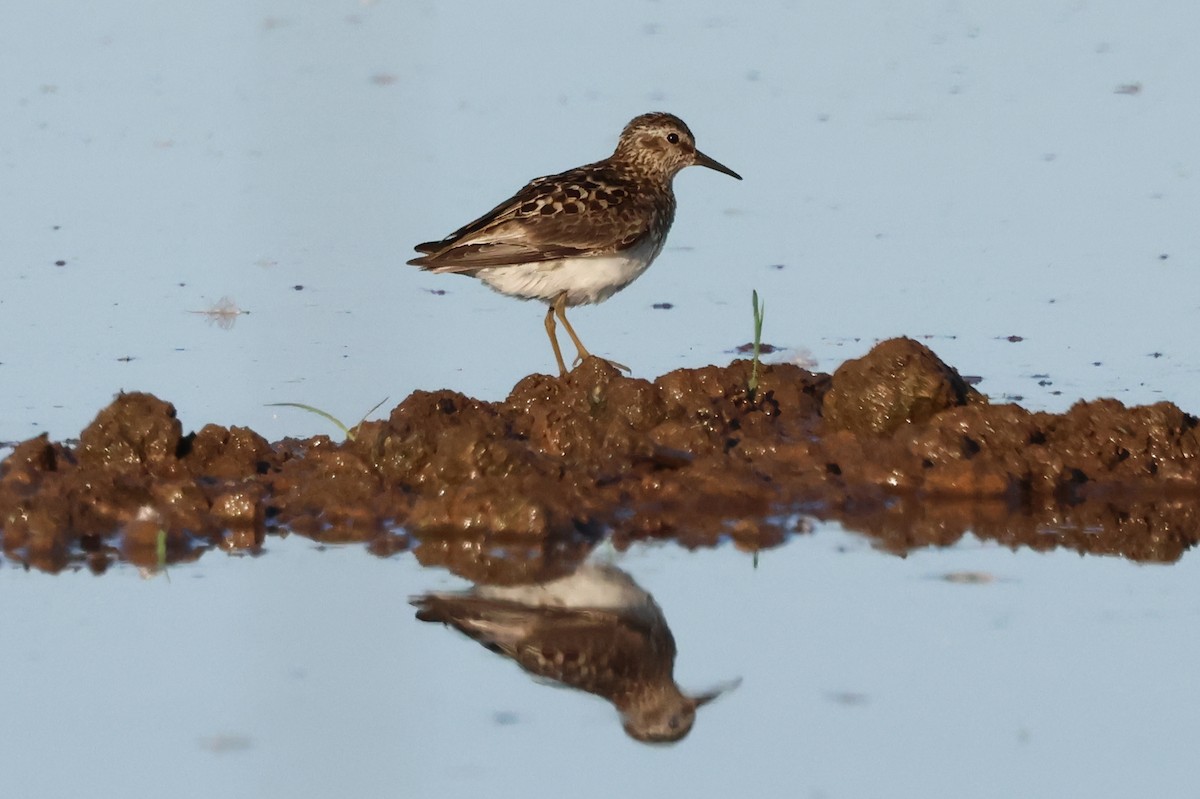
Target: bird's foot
(580, 359)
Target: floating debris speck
(225, 742)
(969, 578)
(223, 313)
(848, 698)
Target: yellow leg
(562, 367)
(560, 308)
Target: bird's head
(660, 144)
(668, 716)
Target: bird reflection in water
(595, 630)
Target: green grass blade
(759, 311)
(368, 413)
(345, 430)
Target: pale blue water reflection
(305, 673)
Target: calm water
(304, 673)
(938, 169)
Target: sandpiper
(595, 630)
(580, 236)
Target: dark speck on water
(1015, 339)
(298, 287)
(848, 698)
(763, 349)
(663, 306)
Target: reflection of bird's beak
(704, 160)
(703, 699)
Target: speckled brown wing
(582, 648)
(506, 209)
(591, 210)
(595, 651)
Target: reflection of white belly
(586, 280)
(592, 585)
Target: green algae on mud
(894, 444)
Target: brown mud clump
(894, 444)
(899, 383)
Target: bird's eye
(673, 138)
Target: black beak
(704, 160)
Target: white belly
(585, 280)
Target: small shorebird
(580, 236)
(595, 630)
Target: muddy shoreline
(895, 445)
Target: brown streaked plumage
(580, 236)
(594, 630)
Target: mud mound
(894, 444)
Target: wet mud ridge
(894, 444)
